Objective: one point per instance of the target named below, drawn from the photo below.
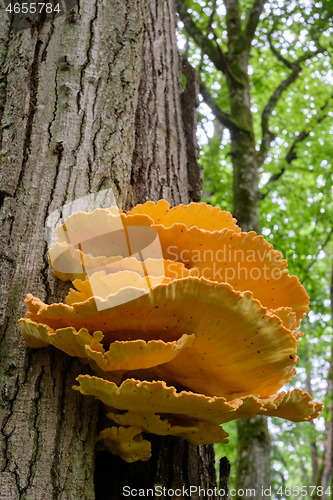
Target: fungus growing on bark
(181, 340)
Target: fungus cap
(244, 260)
(200, 215)
(196, 431)
(156, 408)
(156, 397)
(120, 356)
(259, 360)
(127, 442)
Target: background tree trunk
(252, 472)
(89, 101)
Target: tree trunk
(315, 470)
(243, 146)
(252, 472)
(245, 181)
(88, 101)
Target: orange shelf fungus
(186, 322)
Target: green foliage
(297, 26)
(290, 453)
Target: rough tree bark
(89, 101)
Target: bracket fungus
(186, 322)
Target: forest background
(276, 56)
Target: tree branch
(267, 135)
(211, 18)
(234, 25)
(207, 46)
(277, 53)
(253, 20)
(224, 118)
(291, 64)
(291, 153)
(290, 156)
(314, 260)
